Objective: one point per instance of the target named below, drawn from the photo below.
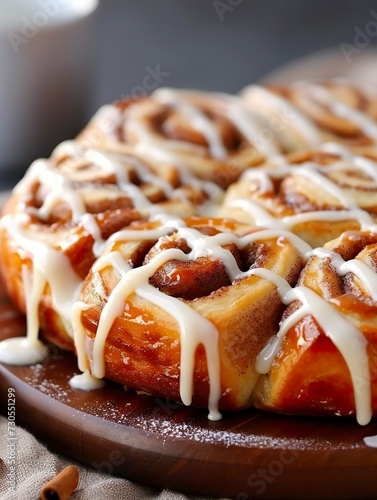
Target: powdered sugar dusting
(213, 435)
(38, 380)
(169, 421)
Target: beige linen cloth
(36, 465)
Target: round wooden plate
(162, 444)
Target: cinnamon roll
(317, 194)
(212, 136)
(171, 308)
(325, 353)
(305, 114)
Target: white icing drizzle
(262, 218)
(90, 224)
(350, 160)
(79, 334)
(365, 274)
(339, 108)
(27, 350)
(350, 342)
(170, 224)
(324, 182)
(232, 107)
(194, 330)
(69, 148)
(116, 164)
(49, 265)
(371, 441)
(42, 172)
(21, 351)
(155, 153)
(104, 125)
(249, 124)
(273, 103)
(197, 119)
(86, 382)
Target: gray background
(199, 50)
(196, 47)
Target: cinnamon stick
(61, 486)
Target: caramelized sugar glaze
(214, 249)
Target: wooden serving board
(159, 443)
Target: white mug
(45, 77)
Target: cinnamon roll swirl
(316, 194)
(308, 114)
(212, 136)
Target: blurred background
(204, 44)
(135, 46)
